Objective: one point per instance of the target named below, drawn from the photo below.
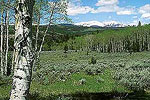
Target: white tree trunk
(36, 41)
(23, 50)
(2, 32)
(43, 39)
(7, 33)
(37, 33)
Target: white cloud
(115, 8)
(125, 12)
(107, 2)
(134, 22)
(77, 1)
(135, 17)
(77, 9)
(112, 6)
(146, 15)
(106, 6)
(145, 11)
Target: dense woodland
(130, 39)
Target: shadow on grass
(1, 84)
(36, 96)
(99, 96)
(91, 96)
(6, 98)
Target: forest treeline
(129, 39)
(56, 35)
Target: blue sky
(121, 11)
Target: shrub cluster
(134, 75)
(53, 72)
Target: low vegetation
(61, 73)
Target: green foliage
(54, 66)
(46, 47)
(100, 80)
(134, 75)
(60, 75)
(83, 38)
(65, 49)
(139, 24)
(92, 60)
(56, 35)
(129, 39)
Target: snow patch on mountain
(101, 24)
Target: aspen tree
(23, 50)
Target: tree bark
(2, 32)
(36, 40)
(23, 50)
(37, 55)
(7, 33)
(37, 33)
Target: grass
(4, 90)
(59, 56)
(71, 85)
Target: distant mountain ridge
(100, 24)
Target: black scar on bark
(18, 77)
(23, 43)
(27, 20)
(24, 53)
(14, 86)
(20, 7)
(16, 11)
(15, 96)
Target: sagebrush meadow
(74, 50)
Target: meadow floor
(74, 73)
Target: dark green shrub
(65, 49)
(92, 61)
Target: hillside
(129, 39)
(59, 33)
(69, 29)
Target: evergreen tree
(139, 24)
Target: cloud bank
(103, 6)
(107, 6)
(145, 11)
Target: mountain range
(100, 24)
